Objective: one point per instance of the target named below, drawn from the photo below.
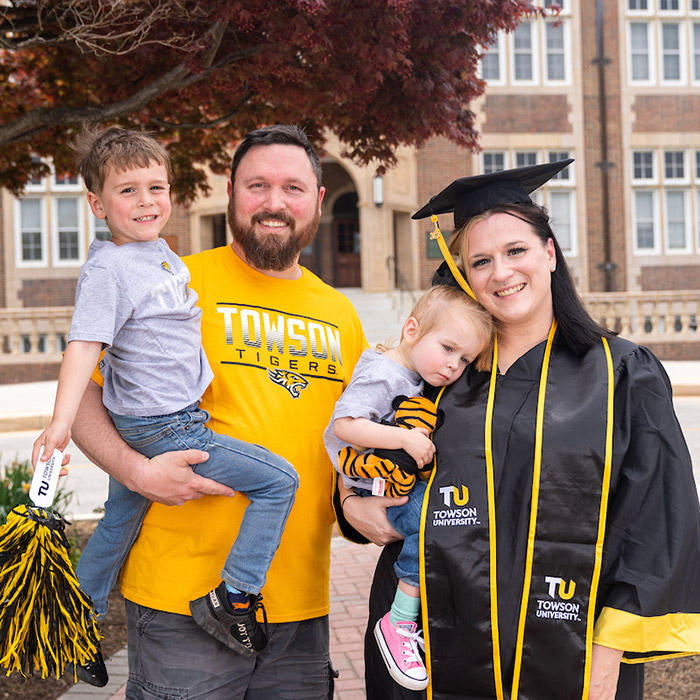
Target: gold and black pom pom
(46, 621)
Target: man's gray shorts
(171, 658)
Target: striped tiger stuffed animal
(397, 467)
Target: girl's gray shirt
(135, 300)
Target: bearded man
(283, 346)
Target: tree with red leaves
(377, 73)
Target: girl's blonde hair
(447, 303)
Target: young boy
(133, 298)
(444, 333)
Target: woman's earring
(553, 267)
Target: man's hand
(368, 516)
(169, 479)
(605, 670)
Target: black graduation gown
(650, 571)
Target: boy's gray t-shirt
(134, 299)
(376, 382)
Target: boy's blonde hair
(445, 302)
(97, 149)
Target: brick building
(614, 84)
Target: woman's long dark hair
(575, 324)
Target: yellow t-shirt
(282, 352)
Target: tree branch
(30, 123)
(18, 129)
(99, 28)
(204, 125)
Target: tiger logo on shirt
(290, 381)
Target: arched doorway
(346, 242)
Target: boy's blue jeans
(269, 481)
(405, 520)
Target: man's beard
(271, 252)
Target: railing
(403, 286)
(34, 335)
(648, 317)
(39, 334)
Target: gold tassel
(436, 235)
(46, 621)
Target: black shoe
(238, 630)
(93, 671)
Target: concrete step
(382, 313)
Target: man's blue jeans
(269, 481)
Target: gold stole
(564, 548)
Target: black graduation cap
(469, 196)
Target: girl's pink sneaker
(399, 647)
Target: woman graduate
(561, 528)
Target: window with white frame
(492, 69)
(643, 165)
(645, 226)
(695, 61)
(525, 158)
(30, 228)
(676, 220)
(491, 66)
(556, 156)
(555, 51)
(558, 196)
(50, 220)
(538, 51)
(493, 161)
(66, 231)
(523, 53)
(560, 202)
(99, 228)
(663, 206)
(676, 202)
(640, 52)
(562, 213)
(671, 52)
(674, 165)
(66, 182)
(663, 42)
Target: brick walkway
(351, 576)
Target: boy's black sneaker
(93, 671)
(238, 630)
